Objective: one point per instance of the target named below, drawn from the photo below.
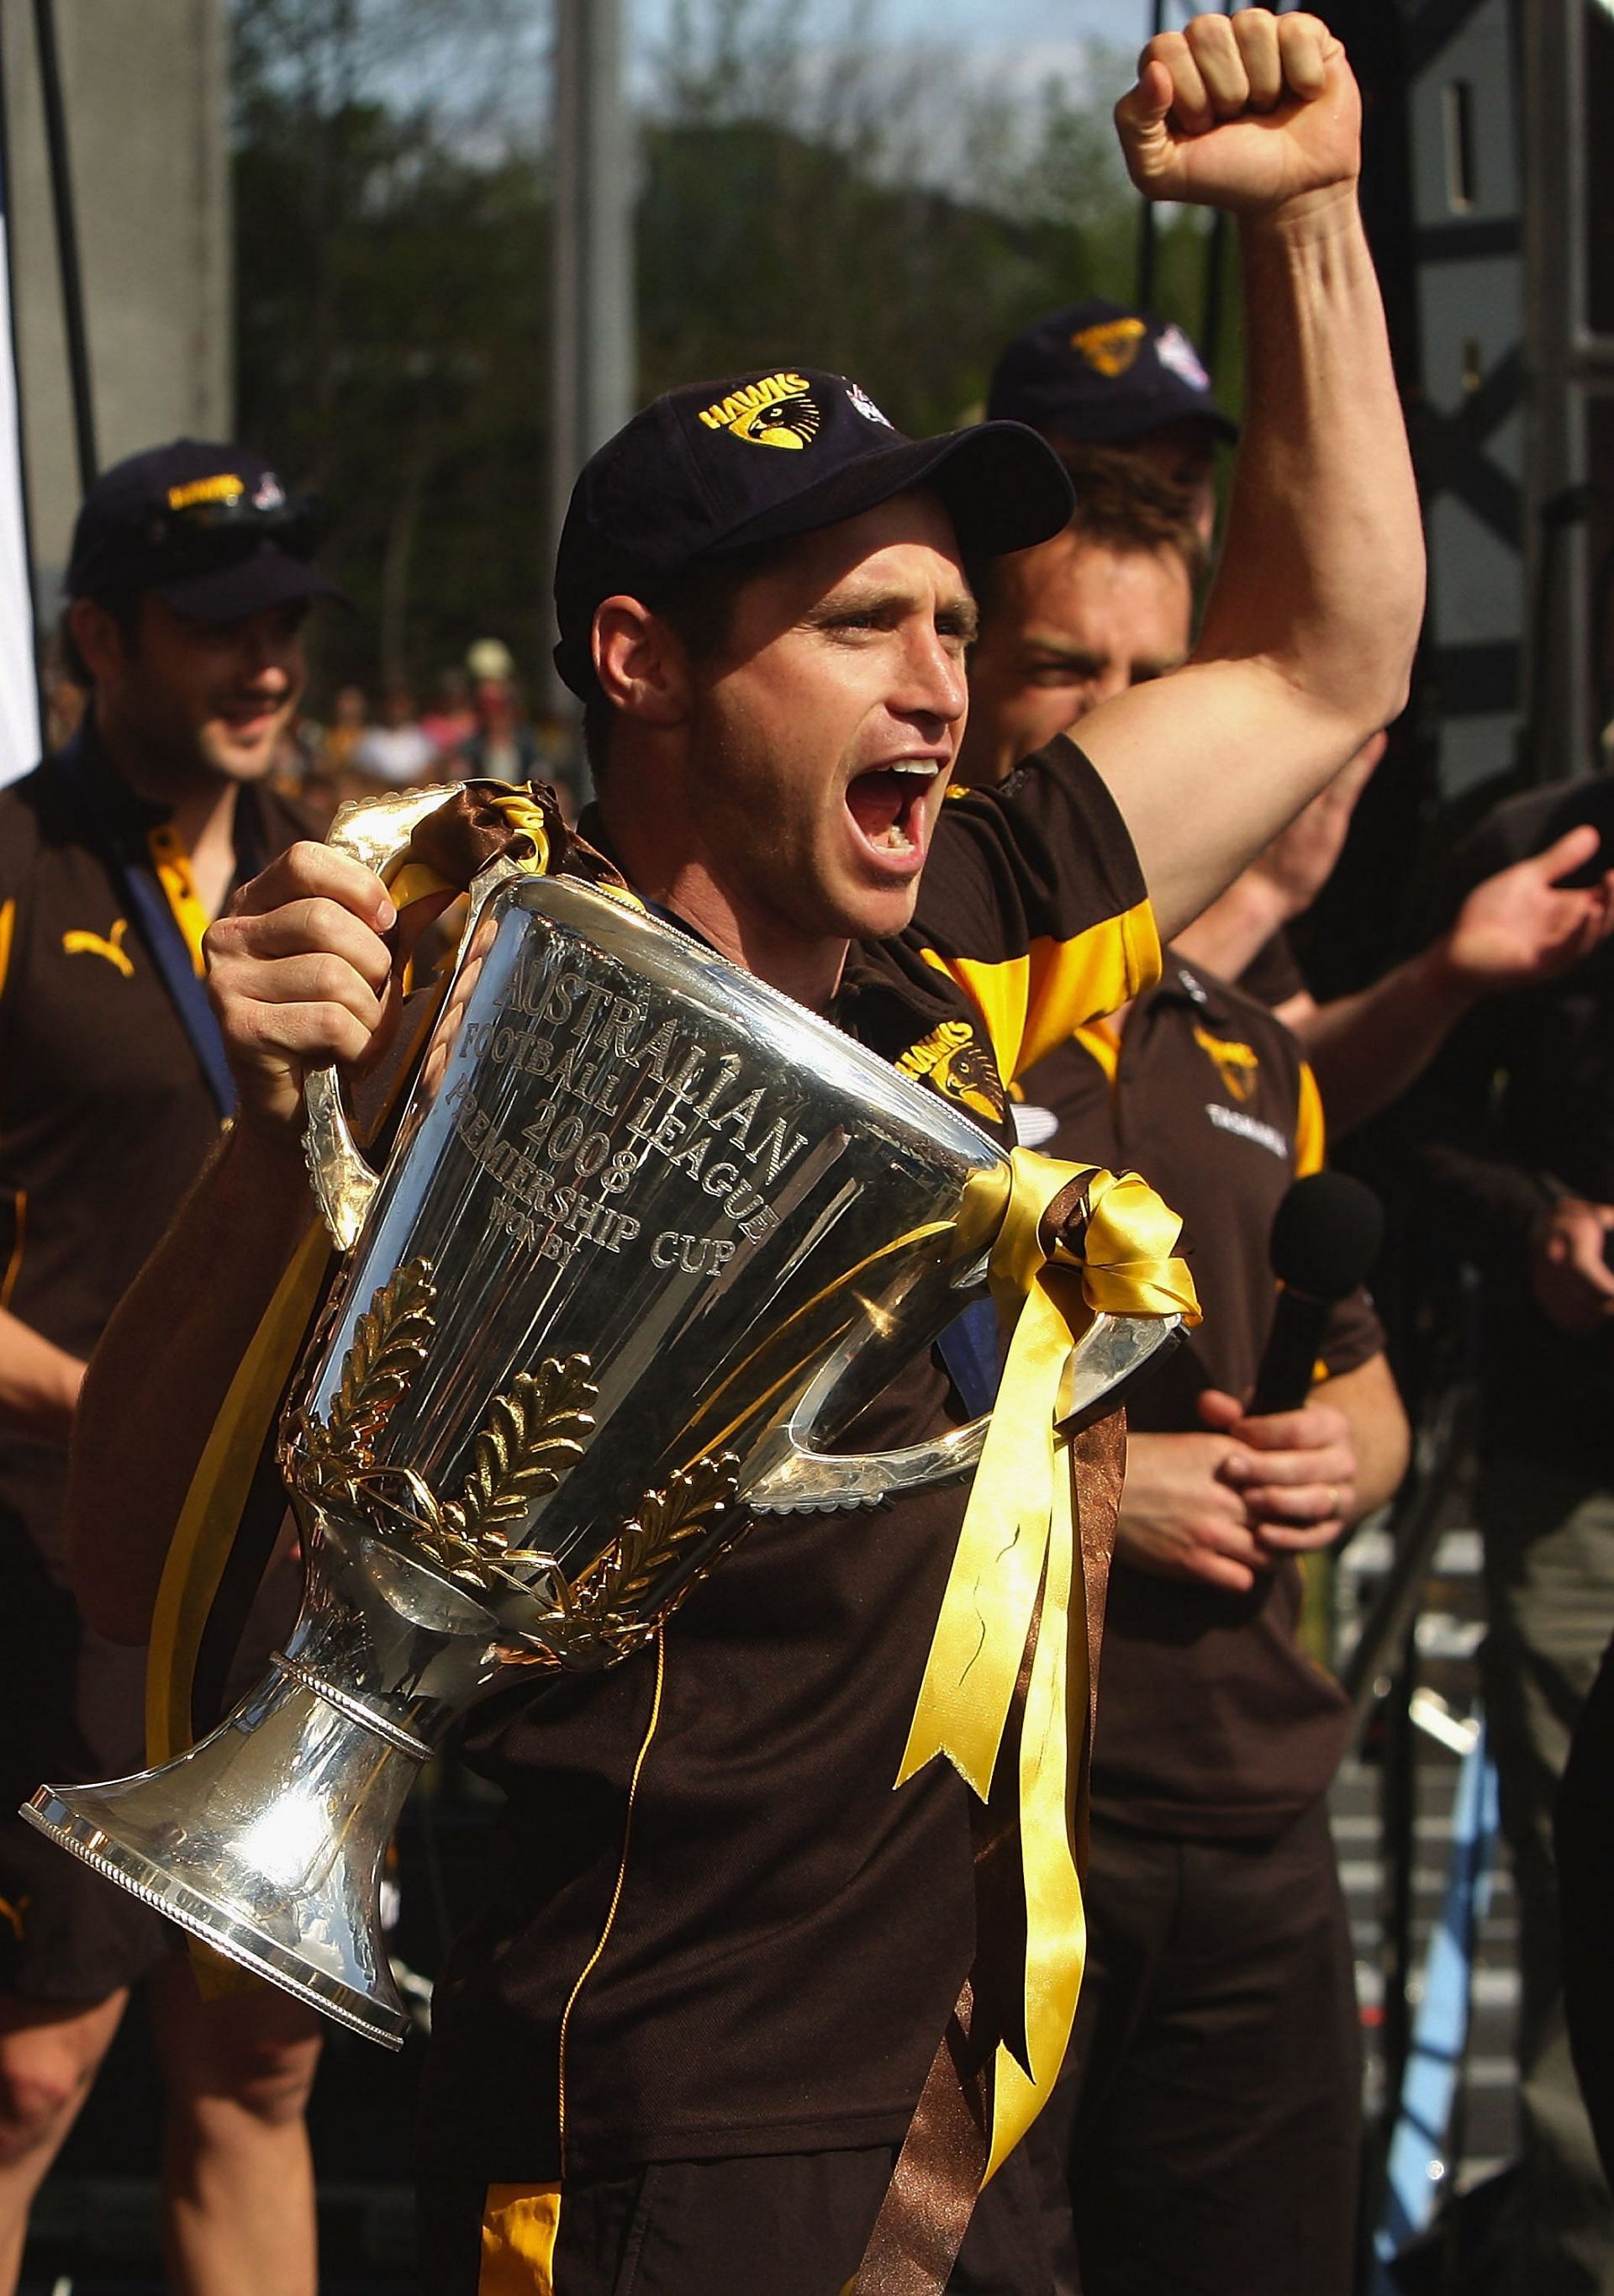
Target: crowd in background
(477, 722)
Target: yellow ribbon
(1018, 1539)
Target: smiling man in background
(189, 585)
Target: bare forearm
(1368, 1048)
(163, 1367)
(38, 1381)
(1322, 567)
(1310, 629)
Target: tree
(807, 193)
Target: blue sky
(997, 26)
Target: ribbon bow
(1018, 1544)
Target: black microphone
(1324, 1239)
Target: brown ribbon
(931, 2196)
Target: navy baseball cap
(1100, 373)
(206, 527)
(715, 467)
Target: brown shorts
(72, 1710)
(793, 2225)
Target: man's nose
(936, 677)
(270, 658)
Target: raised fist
(1245, 113)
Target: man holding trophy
(702, 1157)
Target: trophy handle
(377, 832)
(796, 1478)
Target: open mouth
(887, 804)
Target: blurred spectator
(501, 748)
(1522, 1171)
(450, 720)
(396, 752)
(1213, 1899)
(64, 698)
(490, 657)
(349, 717)
(1099, 374)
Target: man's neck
(202, 806)
(806, 968)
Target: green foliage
(393, 245)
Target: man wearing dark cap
(1099, 374)
(684, 2054)
(188, 584)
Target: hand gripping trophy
(650, 1235)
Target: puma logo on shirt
(89, 944)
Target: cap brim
(1088, 422)
(1003, 487)
(270, 577)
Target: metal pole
(593, 320)
(11, 348)
(1146, 217)
(67, 244)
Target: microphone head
(1326, 1235)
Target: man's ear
(643, 667)
(100, 638)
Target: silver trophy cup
(649, 1236)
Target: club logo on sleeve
(1110, 348)
(110, 946)
(1236, 1064)
(779, 411)
(951, 1062)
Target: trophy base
(50, 1811)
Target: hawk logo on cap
(1110, 348)
(225, 488)
(779, 411)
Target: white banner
(20, 738)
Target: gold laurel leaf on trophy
(534, 1432)
(665, 1524)
(389, 1342)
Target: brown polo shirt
(768, 1964)
(1211, 1720)
(105, 1120)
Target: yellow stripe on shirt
(1310, 1132)
(1100, 1042)
(1031, 1003)
(172, 863)
(520, 2224)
